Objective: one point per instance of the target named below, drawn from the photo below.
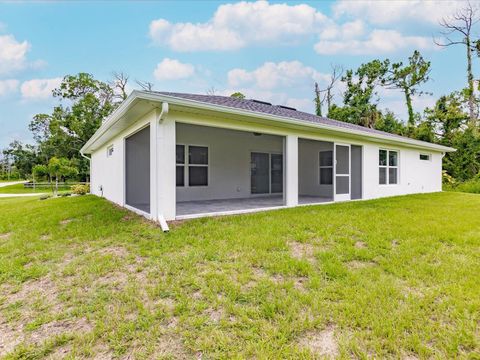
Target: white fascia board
(142, 95)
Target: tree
(62, 133)
(22, 156)
(407, 78)
(389, 123)
(447, 117)
(360, 105)
(57, 168)
(119, 84)
(323, 96)
(458, 31)
(145, 85)
(238, 95)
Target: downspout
(89, 168)
(163, 113)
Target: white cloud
(38, 89)
(12, 54)
(383, 12)
(171, 69)
(234, 26)
(349, 30)
(276, 75)
(378, 42)
(8, 86)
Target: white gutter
(201, 105)
(89, 168)
(159, 217)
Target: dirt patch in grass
(56, 328)
(116, 251)
(321, 342)
(215, 315)
(170, 346)
(44, 236)
(302, 251)
(299, 283)
(356, 264)
(9, 338)
(5, 236)
(66, 221)
(12, 336)
(360, 245)
(44, 287)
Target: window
(110, 151)
(180, 156)
(197, 166)
(425, 157)
(388, 167)
(192, 165)
(326, 167)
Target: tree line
(84, 102)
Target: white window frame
(187, 165)
(425, 154)
(110, 151)
(325, 167)
(388, 166)
(183, 165)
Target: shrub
(45, 197)
(470, 186)
(80, 189)
(65, 194)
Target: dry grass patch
(321, 343)
(5, 236)
(360, 245)
(356, 264)
(302, 251)
(66, 222)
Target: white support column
(166, 184)
(291, 170)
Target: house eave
(136, 96)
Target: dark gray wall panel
(356, 172)
(137, 170)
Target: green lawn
(393, 278)
(20, 189)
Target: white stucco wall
(229, 160)
(415, 175)
(108, 172)
(229, 153)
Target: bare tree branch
(145, 85)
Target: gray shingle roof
(257, 107)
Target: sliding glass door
(266, 173)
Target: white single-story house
(174, 156)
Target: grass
(391, 278)
(20, 189)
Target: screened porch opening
(315, 171)
(137, 170)
(222, 170)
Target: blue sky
(273, 51)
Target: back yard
(395, 278)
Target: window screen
(197, 166)
(326, 167)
